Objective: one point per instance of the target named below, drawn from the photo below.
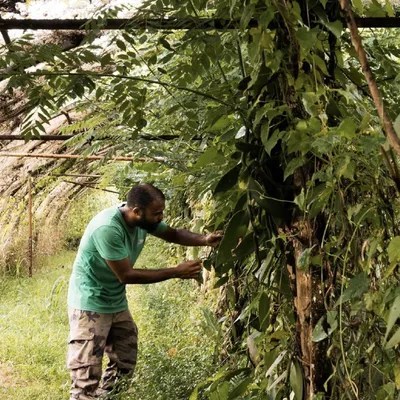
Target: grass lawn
(174, 352)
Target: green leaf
(292, 166)
(210, 156)
(240, 389)
(394, 250)
(335, 27)
(396, 125)
(221, 392)
(221, 281)
(273, 206)
(78, 89)
(307, 38)
(347, 128)
(263, 311)
(394, 314)
(332, 321)
(195, 394)
(358, 285)
(300, 200)
(246, 247)
(394, 340)
(270, 142)
(358, 6)
(121, 44)
(221, 123)
(319, 332)
(296, 379)
(228, 180)
(386, 392)
(235, 230)
(319, 199)
(303, 261)
(247, 14)
(346, 168)
(164, 42)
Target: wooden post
(30, 244)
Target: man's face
(151, 216)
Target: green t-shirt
(93, 285)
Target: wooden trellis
(164, 23)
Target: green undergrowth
(33, 330)
(175, 351)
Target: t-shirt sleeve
(161, 227)
(109, 242)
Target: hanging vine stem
(127, 77)
(353, 385)
(388, 129)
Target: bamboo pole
(90, 186)
(78, 175)
(204, 24)
(41, 137)
(79, 157)
(30, 227)
(66, 137)
(124, 24)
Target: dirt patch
(8, 377)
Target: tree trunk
(308, 293)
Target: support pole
(30, 227)
(79, 157)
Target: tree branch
(388, 129)
(133, 78)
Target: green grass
(174, 352)
(34, 330)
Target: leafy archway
(275, 122)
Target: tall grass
(33, 330)
(174, 351)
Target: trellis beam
(163, 23)
(112, 24)
(66, 137)
(80, 157)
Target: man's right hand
(188, 269)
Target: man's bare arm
(185, 237)
(128, 275)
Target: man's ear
(137, 211)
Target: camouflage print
(91, 335)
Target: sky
(65, 9)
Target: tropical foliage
(271, 128)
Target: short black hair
(143, 195)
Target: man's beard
(148, 226)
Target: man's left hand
(213, 239)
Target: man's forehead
(156, 205)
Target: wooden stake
(30, 226)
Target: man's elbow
(123, 278)
(129, 277)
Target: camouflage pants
(91, 335)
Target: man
(100, 321)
